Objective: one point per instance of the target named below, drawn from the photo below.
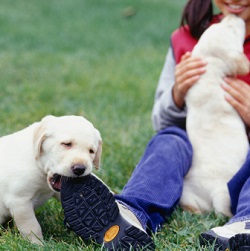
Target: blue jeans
(239, 189)
(155, 186)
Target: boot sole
(92, 213)
(211, 239)
(240, 242)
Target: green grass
(86, 57)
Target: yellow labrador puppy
(33, 160)
(215, 129)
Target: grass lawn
(99, 59)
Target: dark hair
(197, 15)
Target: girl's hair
(197, 15)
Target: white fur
(215, 129)
(30, 157)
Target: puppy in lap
(215, 129)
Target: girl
(155, 187)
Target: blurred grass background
(99, 59)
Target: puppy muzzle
(55, 180)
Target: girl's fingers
(187, 72)
(238, 95)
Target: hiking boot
(234, 236)
(210, 238)
(92, 212)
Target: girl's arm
(165, 112)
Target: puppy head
(234, 36)
(234, 25)
(67, 146)
(224, 41)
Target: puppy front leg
(27, 224)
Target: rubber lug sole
(92, 213)
(210, 238)
(240, 242)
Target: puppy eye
(91, 151)
(67, 144)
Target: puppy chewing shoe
(230, 237)
(92, 212)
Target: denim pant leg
(155, 186)
(239, 189)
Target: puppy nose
(78, 169)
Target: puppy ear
(242, 64)
(237, 62)
(38, 138)
(97, 159)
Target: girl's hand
(238, 95)
(187, 72)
